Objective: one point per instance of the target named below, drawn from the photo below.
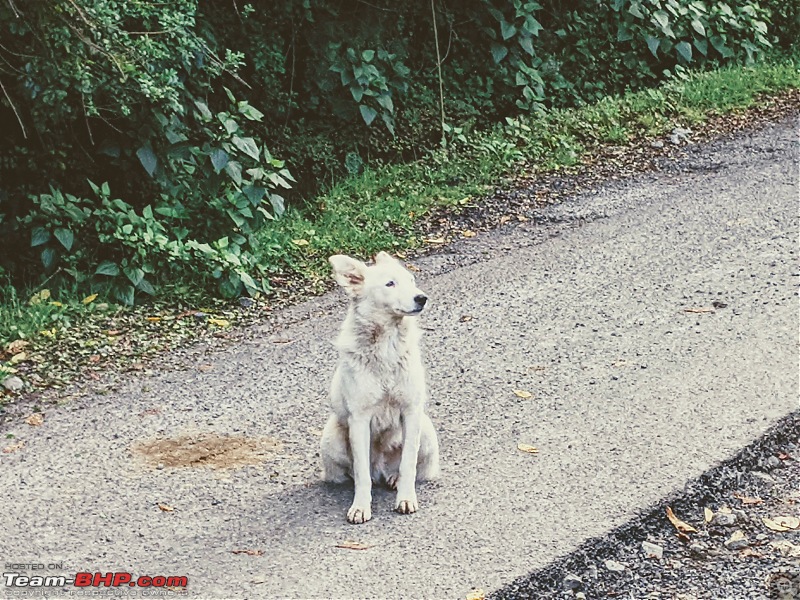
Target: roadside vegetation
(165, 164)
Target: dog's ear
(385, 257)
(349, 272)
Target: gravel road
(654, 324)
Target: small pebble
(573, 582)
(652, 550)
(614, 566)
(724, 519)
(13, 383)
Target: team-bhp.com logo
(85, 580)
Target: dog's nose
(421, 299)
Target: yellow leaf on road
(476, 594)
(165, 507)
(219, 322)
(90, 299)
(708, 514)
(678, 524)
(35, 419)
(351, 545)
(523, 394)
(782, 523)
(13, 447)
(527, 448)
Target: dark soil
(761, 482)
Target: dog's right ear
(349, 272)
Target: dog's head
(386, 285)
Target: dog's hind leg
(428, 457)
(335, 452)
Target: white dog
(379, 430)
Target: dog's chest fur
(388, 355)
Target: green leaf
(250, 113)
(385, 100)
(134, 274)
(249, 282)
(219, 158)
(66, 237)
(653, 43)
(48, 257)
(203, 108)
(125, 294)
(532, 25)
(356, 91)
(278, 205)
(507, 29)
(636, 10)
(148, 159)
(39, 236)
(107, 268)
(367, 113)
(526, 44)
(234, 169)
(698, 27)
(368, 55)
(685, 50)
(624, 34)
(702, 45)
(146, 287)
(661, 18)
(499, 52)
(246, 145)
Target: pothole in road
(206, 450)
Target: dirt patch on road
(206, 450)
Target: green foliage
(181, 109)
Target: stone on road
(634, 276)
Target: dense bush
(171, 107)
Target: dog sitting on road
(378, 431)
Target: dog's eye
(391, 284)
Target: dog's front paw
(359, 514)
(407, 506)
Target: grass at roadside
(378, 210)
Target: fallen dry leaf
(414, 268)
(523, 394)
(698, 310)
(747, 499)
(708, 514)
(153, 319)
(465, 318)
(94, 358)
(165, 507)
(219, 322)
(468, 234)
(783, 456)
(13, 447)
(476, 594)
(248, 552)
(528, 448)
(786, 548)
(17, 346)
(35, 419)
(18, 358)
(351, 545)
(748, 551)
(782, 523)
(439, 241)
(90, 299)
(678, 524)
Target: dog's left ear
(349, 272)
(384, 257)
